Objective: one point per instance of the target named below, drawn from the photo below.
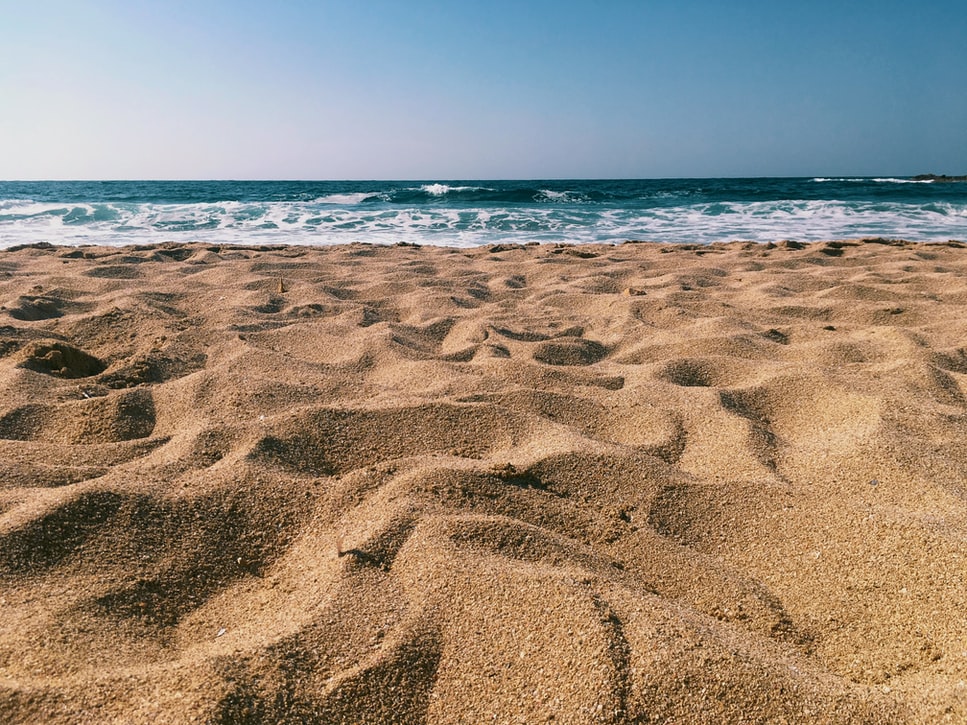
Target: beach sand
(639, 483)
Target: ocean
(471, 213)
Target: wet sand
(629, 484)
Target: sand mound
(356, 484)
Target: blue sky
(407, 89)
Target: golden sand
(630, 484)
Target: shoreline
(409, 483)
(499, 246)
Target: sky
(456, 89)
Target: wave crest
(474, 213)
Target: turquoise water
(470, 213)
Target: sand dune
(627, 484)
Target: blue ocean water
(470, 213)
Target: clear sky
(462, 89)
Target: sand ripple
(358, 484)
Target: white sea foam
(444, 189)
(554, 195)
(349, 199)
(881, 180)
(903, 181)
(317, 222)
(562, 196)
(435, 189)
(10, 208)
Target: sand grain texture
(620, 484)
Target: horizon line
(469, 178)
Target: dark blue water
(469, 213)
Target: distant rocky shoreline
(938, 177)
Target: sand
(629, 484)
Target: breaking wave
(470, 214)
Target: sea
(470, 213)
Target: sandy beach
(639, 483)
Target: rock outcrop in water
(938, 177)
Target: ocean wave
(561, 196)
(445, 189)
(324, 223)
(359, 197)
(878, 180)
(442, 194)
(469, 213)
(891, 180)
(12, 209)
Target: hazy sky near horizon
(411, 89)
